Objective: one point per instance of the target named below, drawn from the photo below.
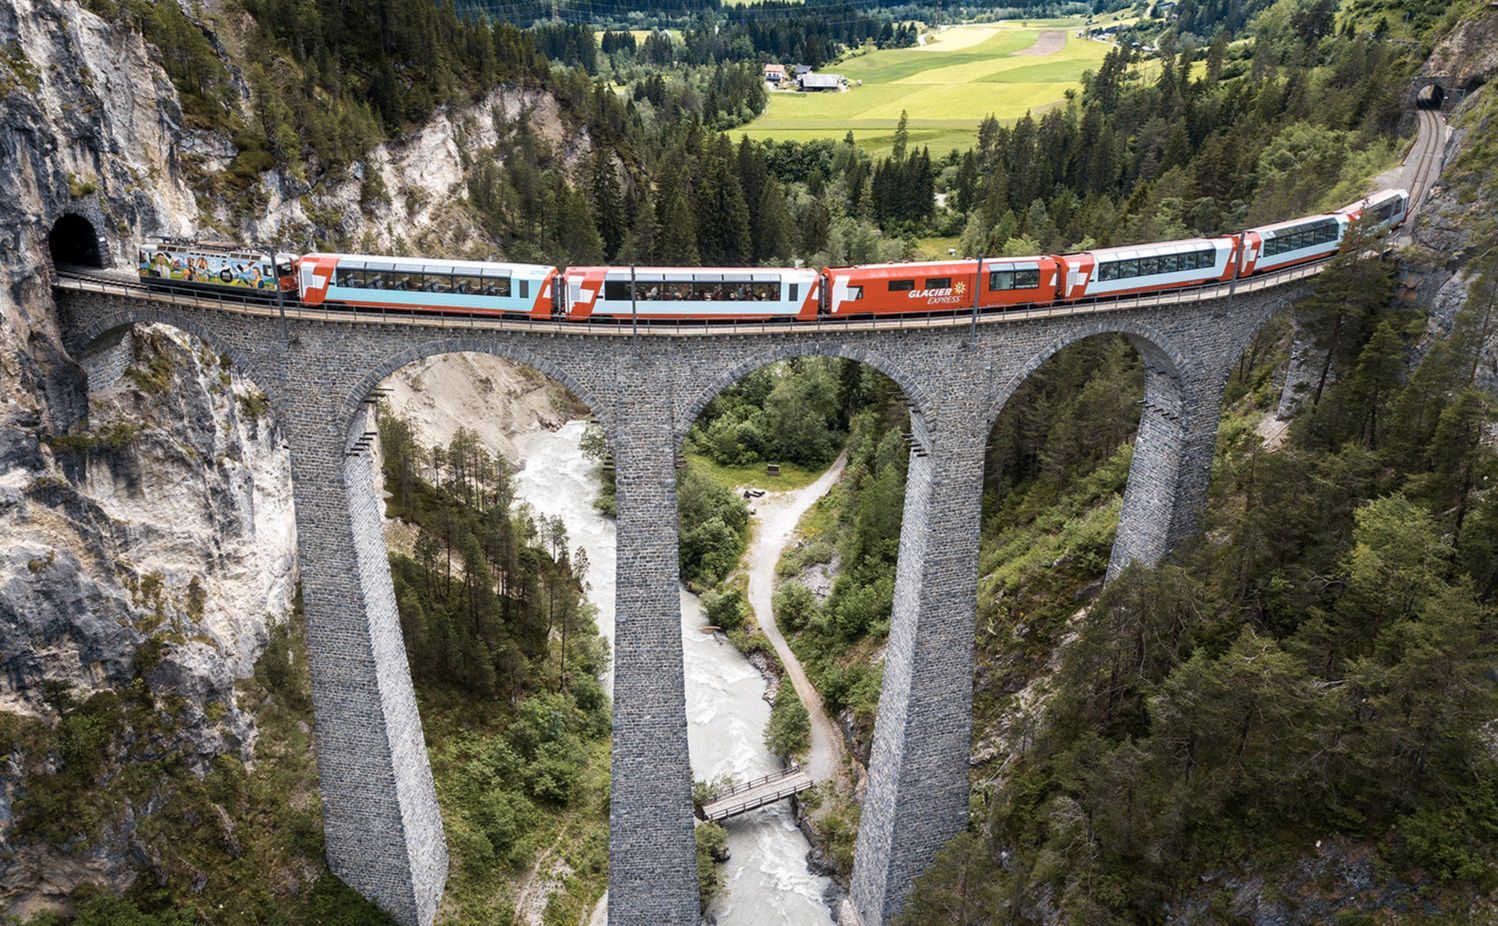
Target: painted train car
(212, 265)
(940, 286)
(707, 293)
(444, 286)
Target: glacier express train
(733, 294)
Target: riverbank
(766, 879)
(774, 518)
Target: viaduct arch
(383, 831)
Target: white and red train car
(1148, 268)
(676, 293)
(719, 294)
(465, 287)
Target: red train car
(941, 286)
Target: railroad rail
(1426, 154)
(127, 285)
(755, 794)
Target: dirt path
(775, 520)
(1048, 43)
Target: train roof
(1157, 249)
(224, 248)
(1373, 199)
(964, 263)
(1277, 227)
(424, 265)
(703, 274)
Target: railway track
(1426, 155)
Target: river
(766, 879)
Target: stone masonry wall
(381, 817)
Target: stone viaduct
(384, 834)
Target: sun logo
(960, 288)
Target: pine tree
(754, 176)
(772, 231)
(641, 244)
(576, 232)
(723, 216)
(678, 232)
(902, 138)
(608, 203)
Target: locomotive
(734, 294)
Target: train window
(617, 290)
(901, 286)
(1027, 279)
(525, 289)
(1149, 266)
(795, 293)
(1171, 263)
(497, 286)
(432, 283)
(855, 293)
(1322, 231)
(939, 283)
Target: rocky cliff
(1455, 238)
(146, 532)
(147, 538)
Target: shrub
(788, 733)
(726, 609)
(795, 606)
(712, 848)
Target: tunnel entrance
(1430, 97)
(74, 241)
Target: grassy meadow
(947, 85)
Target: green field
(948, 85)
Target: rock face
(1469, 54)
(425, 176)
(497, 399)
(1443, 265)
(158, 544)
(147, 537)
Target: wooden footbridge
(755, 794)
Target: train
(636, 295)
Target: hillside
(155, 712)
(1292, 724)
(155, 715)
